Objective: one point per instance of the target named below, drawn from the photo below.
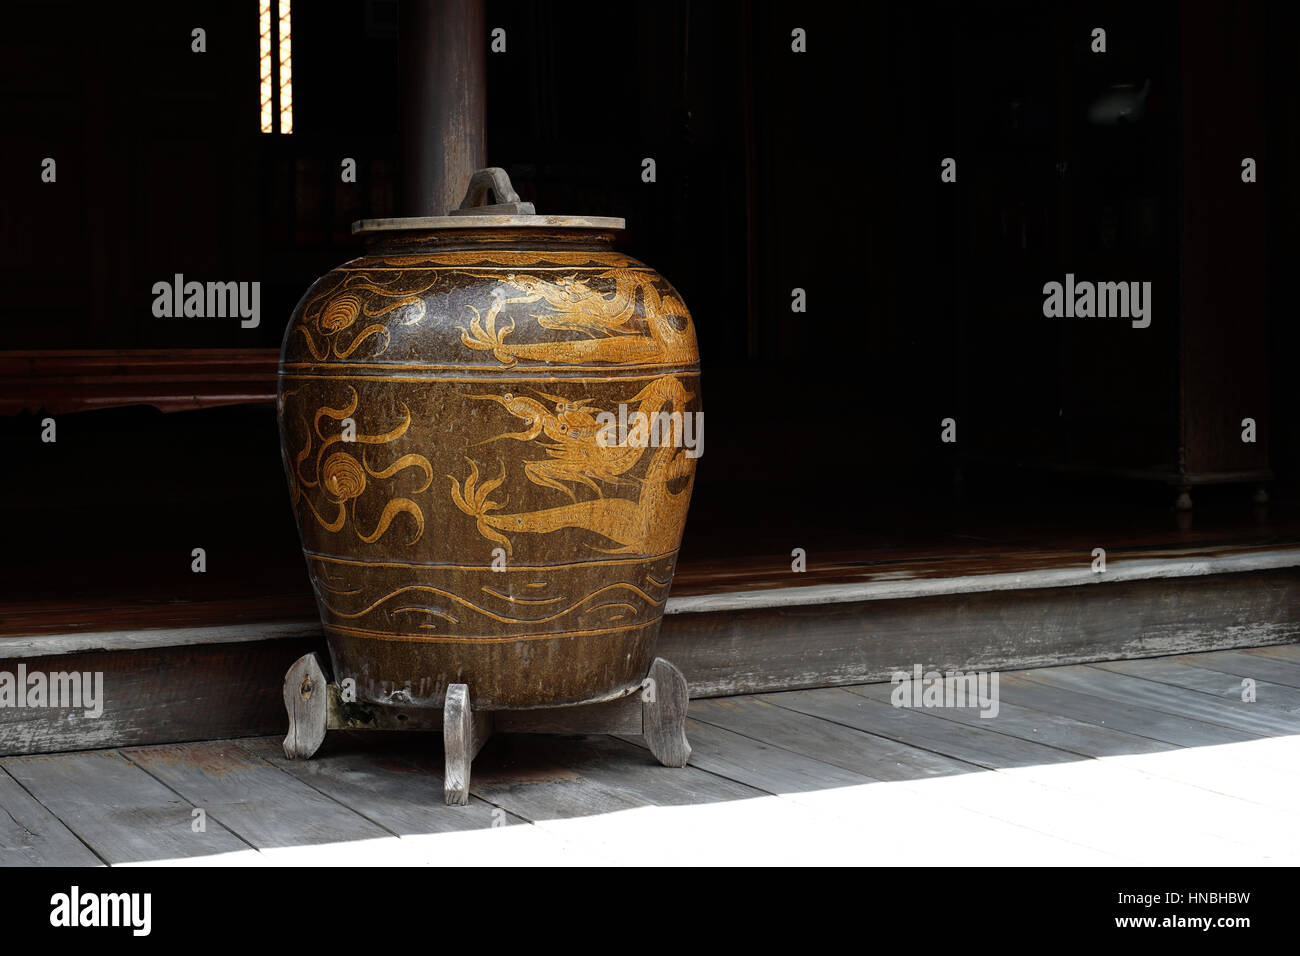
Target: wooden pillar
(1225, 334)
(444, 92)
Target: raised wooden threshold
(61, 382)
(174, 682)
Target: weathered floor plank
(614, 799)
(30, 835)
(397, 784)
(397, 787)
(860, 805)
(1106, 827)
(122, 813)
(1123, 689)
(1242, 801)
(1281, 652)
(1017, 688)
(1055, 800)
(267, 807)
(975, 745)
(1055, 730)
(1268, 694)
(1277, 663)
(587, 772)
(835, 744)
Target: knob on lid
(476, 212)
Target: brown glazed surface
(472, 365)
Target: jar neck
(449, 240)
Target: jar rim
(460, 223)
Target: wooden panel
(161, 694)
(30, 835)
(815, 646)
(122, 813)
(59, 382)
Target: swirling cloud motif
(343, 479)
(339, 313)
(336, 310)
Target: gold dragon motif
(578, 454)
(607, 320)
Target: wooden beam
(60, 382)
(159, 695)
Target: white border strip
(42, 645)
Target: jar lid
(476, 212)
(425, 223)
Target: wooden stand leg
(663, 714)
(306, 698)
(464, 733)
(314, 706)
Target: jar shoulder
(495, 307)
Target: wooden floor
(1145, 761)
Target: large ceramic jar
(490, 426)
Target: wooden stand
(315, 705)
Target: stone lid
(476, 212)
(426, 223)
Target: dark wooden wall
(775, 171)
